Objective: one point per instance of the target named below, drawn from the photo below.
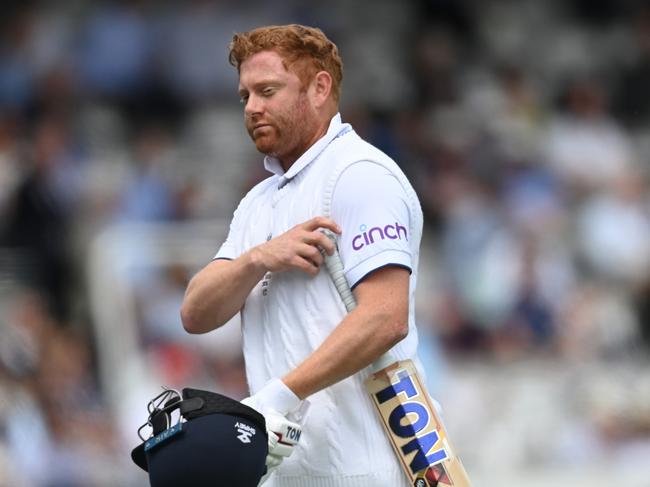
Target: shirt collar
(336, 128)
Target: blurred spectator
(56, 430)
(17, 77)
(150, 195)
(507, 107)
(194, 65)
(599, 322)
(436, 60)
(473, 243)
(585, 145)
(115, 50)
(374, 30)
(632, 104)
(26, 326)
(614, 232)
(39, 214)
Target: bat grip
(382, 362)
(337, 272)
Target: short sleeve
(229, 249)
(371, 207)
(233, 246)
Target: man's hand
(298, 248)
(275, 402)
(284, 435)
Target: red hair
(304, 49)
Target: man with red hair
(298, 340)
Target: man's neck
(288, 161)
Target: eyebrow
(262, 83)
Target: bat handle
(382, 362)
(337, 273)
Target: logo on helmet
(245, 432)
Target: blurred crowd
(524, 126)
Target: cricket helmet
(201, 439)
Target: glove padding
(283, 433)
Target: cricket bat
(409, 418)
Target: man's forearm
(219, 291)
(358, 341)
(379, 321)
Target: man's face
(279, 116)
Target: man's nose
(254, 104)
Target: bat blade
(408, 415)
(414, 428)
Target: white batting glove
(275, 402)
(284, 435)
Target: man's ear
(322, 88)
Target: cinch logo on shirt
(368, 237)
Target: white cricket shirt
(289, 314)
